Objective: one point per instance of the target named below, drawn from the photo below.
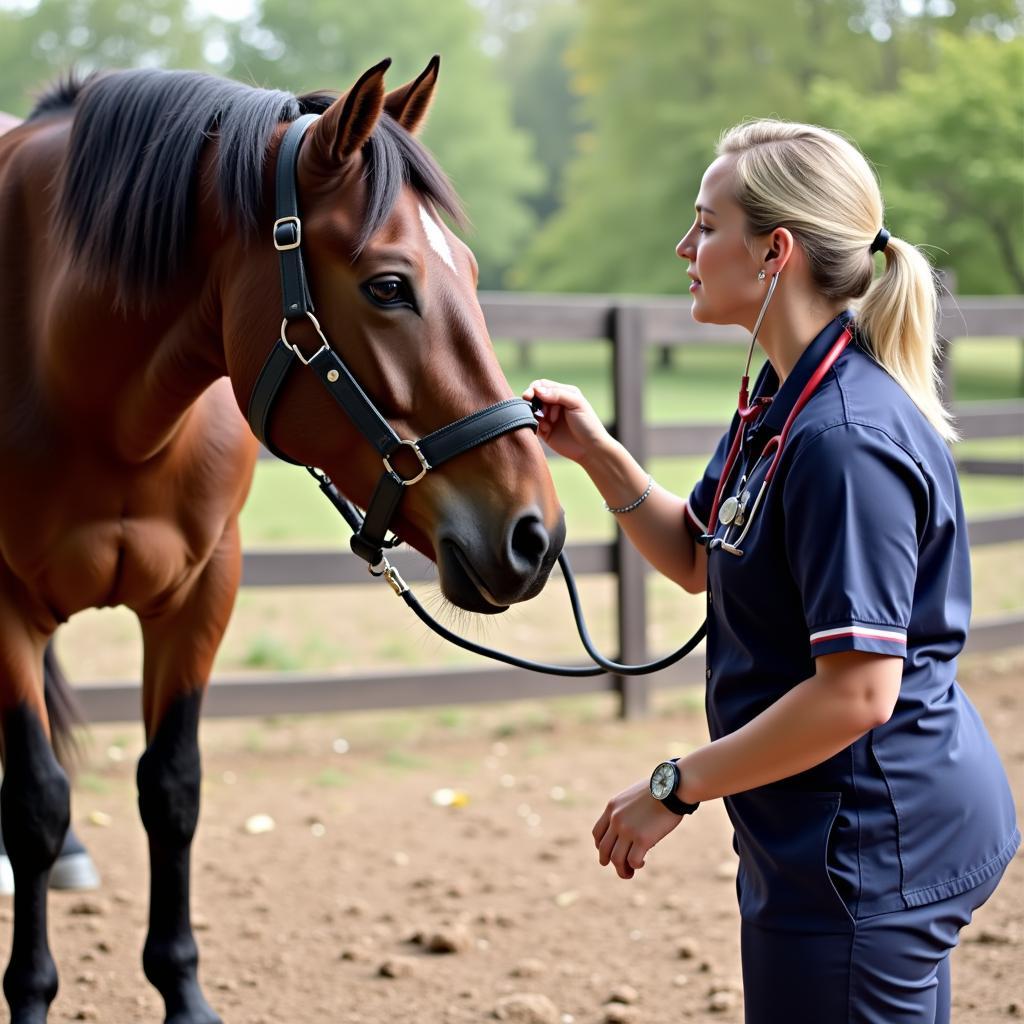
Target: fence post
(946, 282)
(628, 373)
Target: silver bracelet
(633, 504)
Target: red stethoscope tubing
(748, 412)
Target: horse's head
(395, 295)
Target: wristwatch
(664, 783)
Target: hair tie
(881, 241)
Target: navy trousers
(889, 969)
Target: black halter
(370, 532)
(431, 451)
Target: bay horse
(139, 298)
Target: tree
(40, 42)
(947, 146)
(324, 45)
(532, 63)
(660, 81)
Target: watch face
(663, 781)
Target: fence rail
(630, 325)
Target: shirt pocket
(784, 882)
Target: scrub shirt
(860, 543)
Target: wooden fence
(630, 326)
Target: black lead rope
(390, 574)
(370, 539)
(602, 665)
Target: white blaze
(435, 236)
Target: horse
(139, 299)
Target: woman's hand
(632, 823)
(569, 424)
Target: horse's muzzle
(484, 575)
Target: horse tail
(62, 709)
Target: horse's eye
(389, 291)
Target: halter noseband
(370, 531)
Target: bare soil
(296, 924)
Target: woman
(871, 813)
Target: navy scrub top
(860, 543)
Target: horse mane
(128, 193)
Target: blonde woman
(871, 813)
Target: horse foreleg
(179, 649)
(35, 809)
(168, 779)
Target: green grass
(331, 778)
(988, 369)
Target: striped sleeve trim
(691, 515)
(858, 637)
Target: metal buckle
(414, 445)
(298, 352)
(298, 233)
(390, 574)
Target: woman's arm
(850, 693)
(656, 527)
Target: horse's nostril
(529, 542)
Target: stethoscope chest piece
(734, 510)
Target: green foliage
(319, 45)
(947, 146)
(658, 99)
(534, 69)
(38, 42)
(322, 45)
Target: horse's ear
(409, 104)
(348, 122)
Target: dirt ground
(467, 828)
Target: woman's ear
(780, 245)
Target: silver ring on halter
(415, 446)
(324, 347)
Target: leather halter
(436, 448)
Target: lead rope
(385, 570)
(603, 665)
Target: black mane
(127, 201)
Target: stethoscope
(736, 512)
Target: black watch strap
(672, 802)
(677, 806)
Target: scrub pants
(889, 969)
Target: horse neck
(136, 370)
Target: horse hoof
(191, 1007)
(34, 1014)
(74, 871)
(206, 1016)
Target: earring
(761, 275)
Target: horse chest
(102, 542)
(134, 562)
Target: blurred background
(576, 132)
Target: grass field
(355, 627)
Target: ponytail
(897, 316)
